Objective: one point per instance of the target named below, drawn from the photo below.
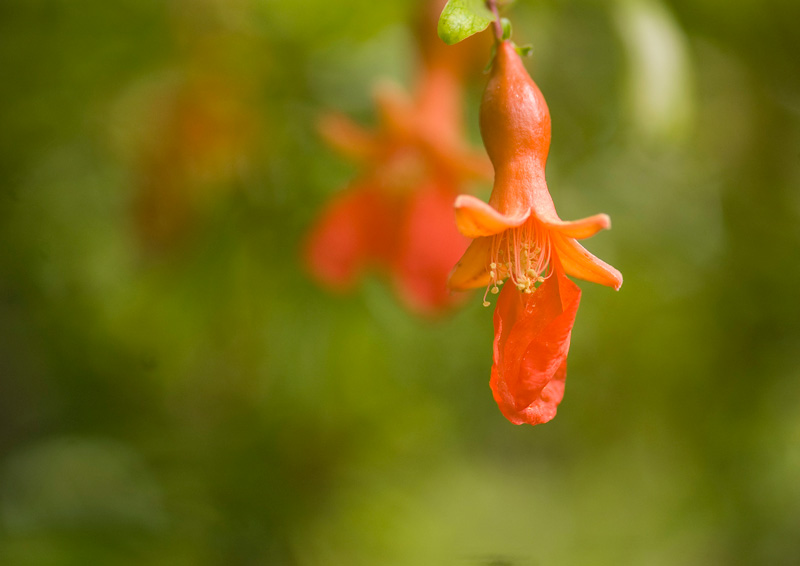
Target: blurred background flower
(174, 390)
(397, 216)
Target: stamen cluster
(520, 254)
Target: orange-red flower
(519, 240)
(397, 216)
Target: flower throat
(522, 255)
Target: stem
(498, 27)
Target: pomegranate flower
(519, 240)
(397, 216)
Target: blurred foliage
(174, 390)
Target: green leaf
(492, 55)
(463, 18)
(524, 50)
(506, 28)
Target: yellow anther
(495, 290)
(486, 303)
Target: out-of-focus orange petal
(355, 229)
(396, 109)
(428, 246)
(472, 270)
(578, 262)
(580, 229)
(532, 335)
(438, 106)
(475, 218)
(350, 139)
(467, 164)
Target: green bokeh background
(202, 401)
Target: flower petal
(472, 270)
(580, 229)
(464, 163)
(532, 335)
(475, 218)
(578, 262)
(344, 135)
(428, 246)
(395, 108)
(356, 228)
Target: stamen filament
(521, 255)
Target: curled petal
(356, 229)
(544, 408)
(580, 229)
(532, 335)
(578, 262)
(475, 218)
(472, 270)
(428, 245)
